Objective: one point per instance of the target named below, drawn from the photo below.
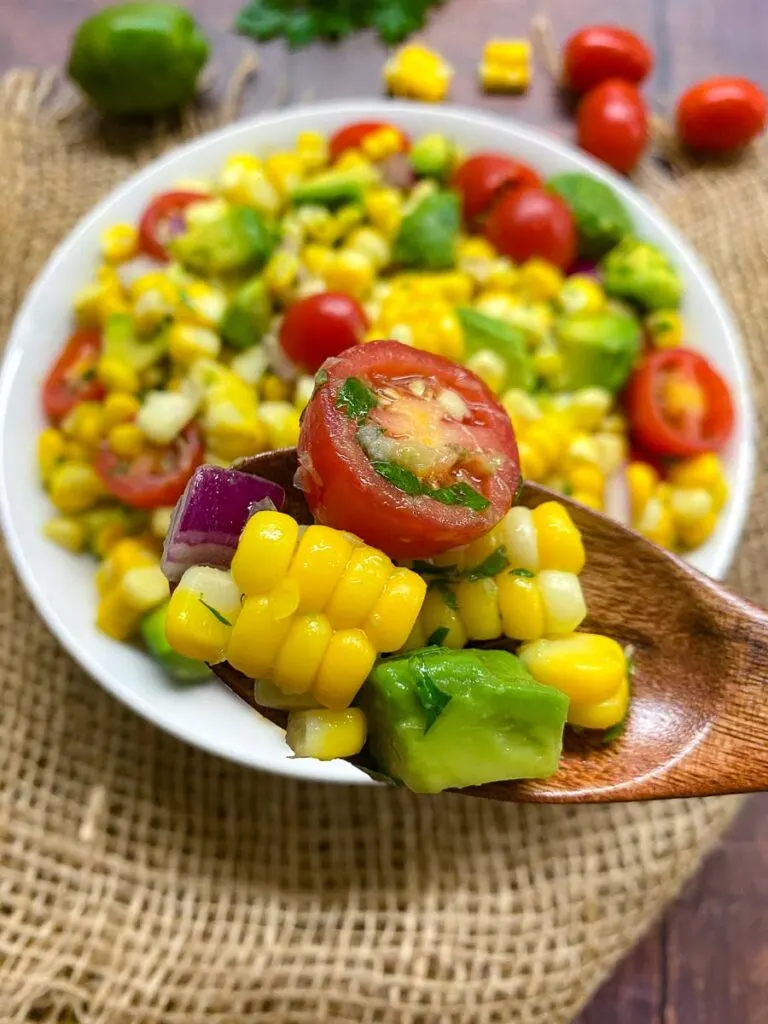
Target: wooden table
(707, 961)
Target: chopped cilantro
(491, 566)
(427, 569)
(523, 572)
(405, 480)
(435, 639)
(216, 614)
(355, 400)
(444, 590)
(614, 732)
(399, 477)
(460, 494)
(431, 697)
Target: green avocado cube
(597, 350)
(441, 719)
(248, 315)
(335, 188)
(237, 238)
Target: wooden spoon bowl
(698, 723)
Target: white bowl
(62, 586)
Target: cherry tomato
(351, 135)
(162, 219)
(720, 114)
(407, 450)
(612, 124)
(678, 404)
(532, 222)
(156, 476)
(484, 177)
(72, 378)
(599, 52)
(321, 326)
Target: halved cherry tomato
(599, 52)
(678, 404)
(163, 219)
(407, 450)
(532, 222)
(612, 123)
(72, 378)
(321, 326)
(157, 476)
(351, 135)
(485, 177)
(720, 114)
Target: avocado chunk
(642, 273)
(433, 156)
(597, 350)
(487, 332)
(335, 188)
(153, 634)
(440, 718)
(428, 234)
(601, 218)
(121, 342)
(248, 315)
(234, 238)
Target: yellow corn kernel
(126, 440)
(384, 207)
(326, 734)
(559, 542)
(312, 150)
(119, 243)
(587, 479)
(655, 523)
(474, 247)
(702, 471)
(609, 712)
(547, 360)
(563, 600)
(187, 342)
(359, 588)
(67, 532)
(370, 243)
(693, 534)
(437, 614)
(280, 273)
(506, 65)
(203, 611)
(665, 328)
(346, 665)
(87, 305)
(318, 565)
(128, 553)
(119, 408)
(305, 388)
(144, 587)
(478, 602)
(540, 280)
(160, 521)
(201, 303)
(281, 424)
(51, 446)
(301, 654)
(581, 293)
(316, 258)
(588, 407)
(588, 498)
(416, 72)
(642, 480)
(532, 465)
(85, 423)
(351, 158)
(521, 606)
(586, 666)
(549, 442)
(520, 405)
(268, 695)
(381, 143)
(347, 217)
(74, 487)
(689, 505)
(118, 375)
(264, 552)
(284, 172)
(157, 283)
(351, 272)
(394, 613)
(489, 367)
(257, 637)
(243, 180)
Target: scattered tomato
(612, 124)
(351, 135)
(533, 222)
(162, 219)
(155, 477)
(599, 52)
(721, 114)
(485, 177)
(72, 378)
(321, 326)
(407, 450)
(678, 404)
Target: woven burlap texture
(145, 882)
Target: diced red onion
(210, 516)
(587, 267)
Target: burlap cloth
(143, 881)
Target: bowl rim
(342, 110)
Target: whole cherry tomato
(484, 177)
(351, 135)
(162, 219)
(321, 326)
(720, 114)
(612, 124)
(678, 404)
(533, 222)
(72, 378)
(599, 52)
(156, 476)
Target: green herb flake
(431, 697)
(428, 569)
(491, 566)
(523, 572)
(214, 612)
(444, 590)
(615, 731)
(89, 374)
(399, 477)
(355, 400)
(436, 638)
(460, 494)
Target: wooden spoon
(698, 724)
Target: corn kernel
(489, 367)
(203, 612)
(542, 281)
(588, 479)
(126, 440)
(280, 274)
(312, 150)
(478, 602)
(416, 72)
(74, 487)
(563, 601)
(281, 424)
(702, 471)
(381, 143)
(588, 498)
(326, 734)
(118, 375)
(119, 408)
(264, 552)
(85, 423)
(160, 521)
(305, 388)
(532, 465)
(187, 342)
(372, 244)
(581, 293)
(693, 534)
(273, 389)
(665, 328)
(351, 272)
(384, 207)
(67, 532)
(201, 303)
(589, 406)
(689, 505)
(346, 665)
(51, 445)
(605, 714)
(394, 613)
(316, 258)
(284, 172)
(559, 542)
(642, 480)
(506, 65)
(119, 243)
(521, 605)
(655, 523)
(257, 637)
(585, 666)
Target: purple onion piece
(210, 515)
(586, 267)
(396, 171)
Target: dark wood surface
(707, 961)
